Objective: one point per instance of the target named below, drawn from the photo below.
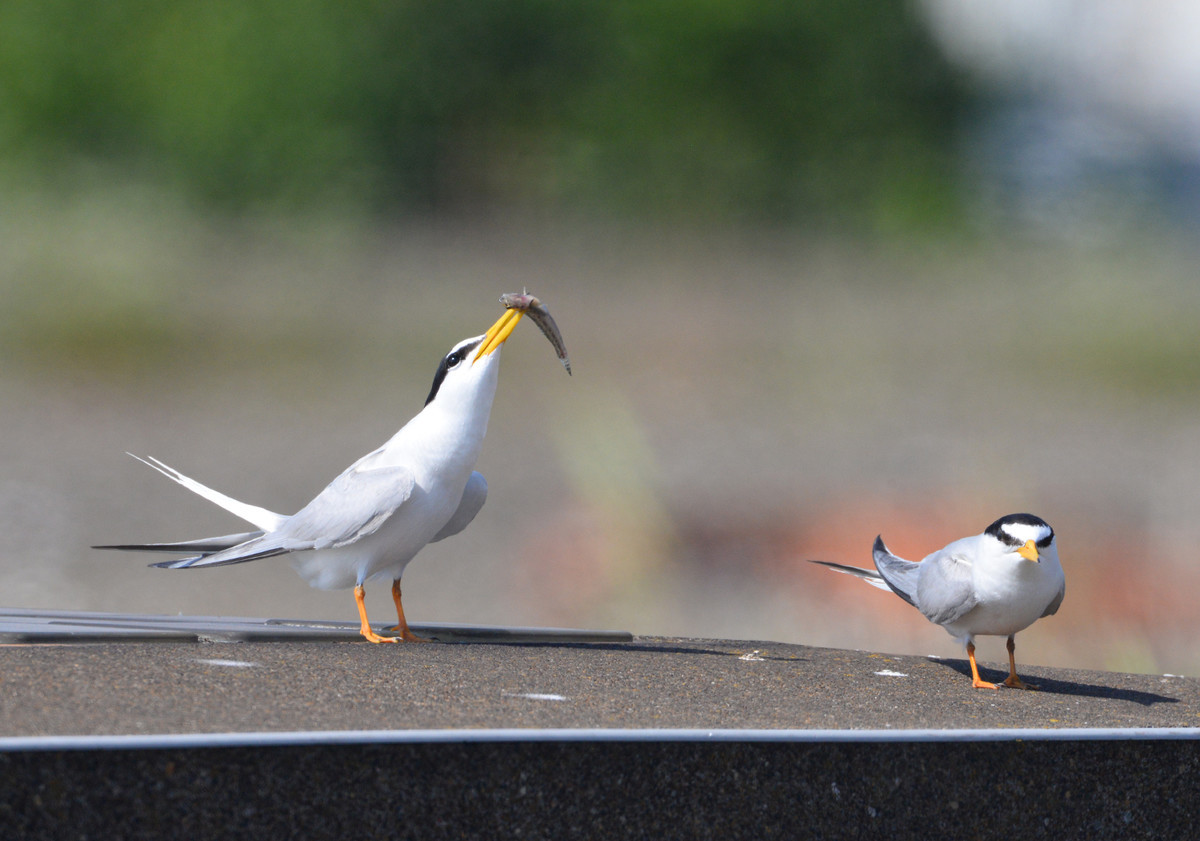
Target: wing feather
(474, 495)
(205, 545)
(899, 574)
(352, 506)
(1052, 608)
(945, 590)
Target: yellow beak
(1029, 552)
(499, 332)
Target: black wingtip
(138, 547)
(868, 575)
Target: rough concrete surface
(171, 687)
(573, 787)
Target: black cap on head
(998, 531)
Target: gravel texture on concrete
(179, 687)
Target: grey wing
(945, 589)
(1058, 600)
(205, 545)
(474, 495)
(900, 575)
(352, 506)
(251, 550)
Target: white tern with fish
(373, 519)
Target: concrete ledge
(222, 733)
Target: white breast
(1012, 596)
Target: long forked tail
(223, 548)
(256, 516)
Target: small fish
(537, 311)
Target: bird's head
(472, 362)
(1023, 535)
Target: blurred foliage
(711, 109)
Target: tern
(369, 522)
(993, 584)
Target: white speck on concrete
(234, 664)
(754, 655)
(890, 673)
(535, 696)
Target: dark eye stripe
(448, 361)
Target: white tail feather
(266, 520)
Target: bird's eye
(453, 359)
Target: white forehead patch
(1025, 531)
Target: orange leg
(366, 631)
(401, 628)
(976, 681)
(1012, 679)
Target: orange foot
(1016, 683)
(365, 627)
(401, 629)
(1012, 679)
(406, 635)
(371, 636)
(976, 681)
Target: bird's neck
(445, 435)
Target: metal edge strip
(175, 741)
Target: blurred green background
(824, 270)
(715, 111)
